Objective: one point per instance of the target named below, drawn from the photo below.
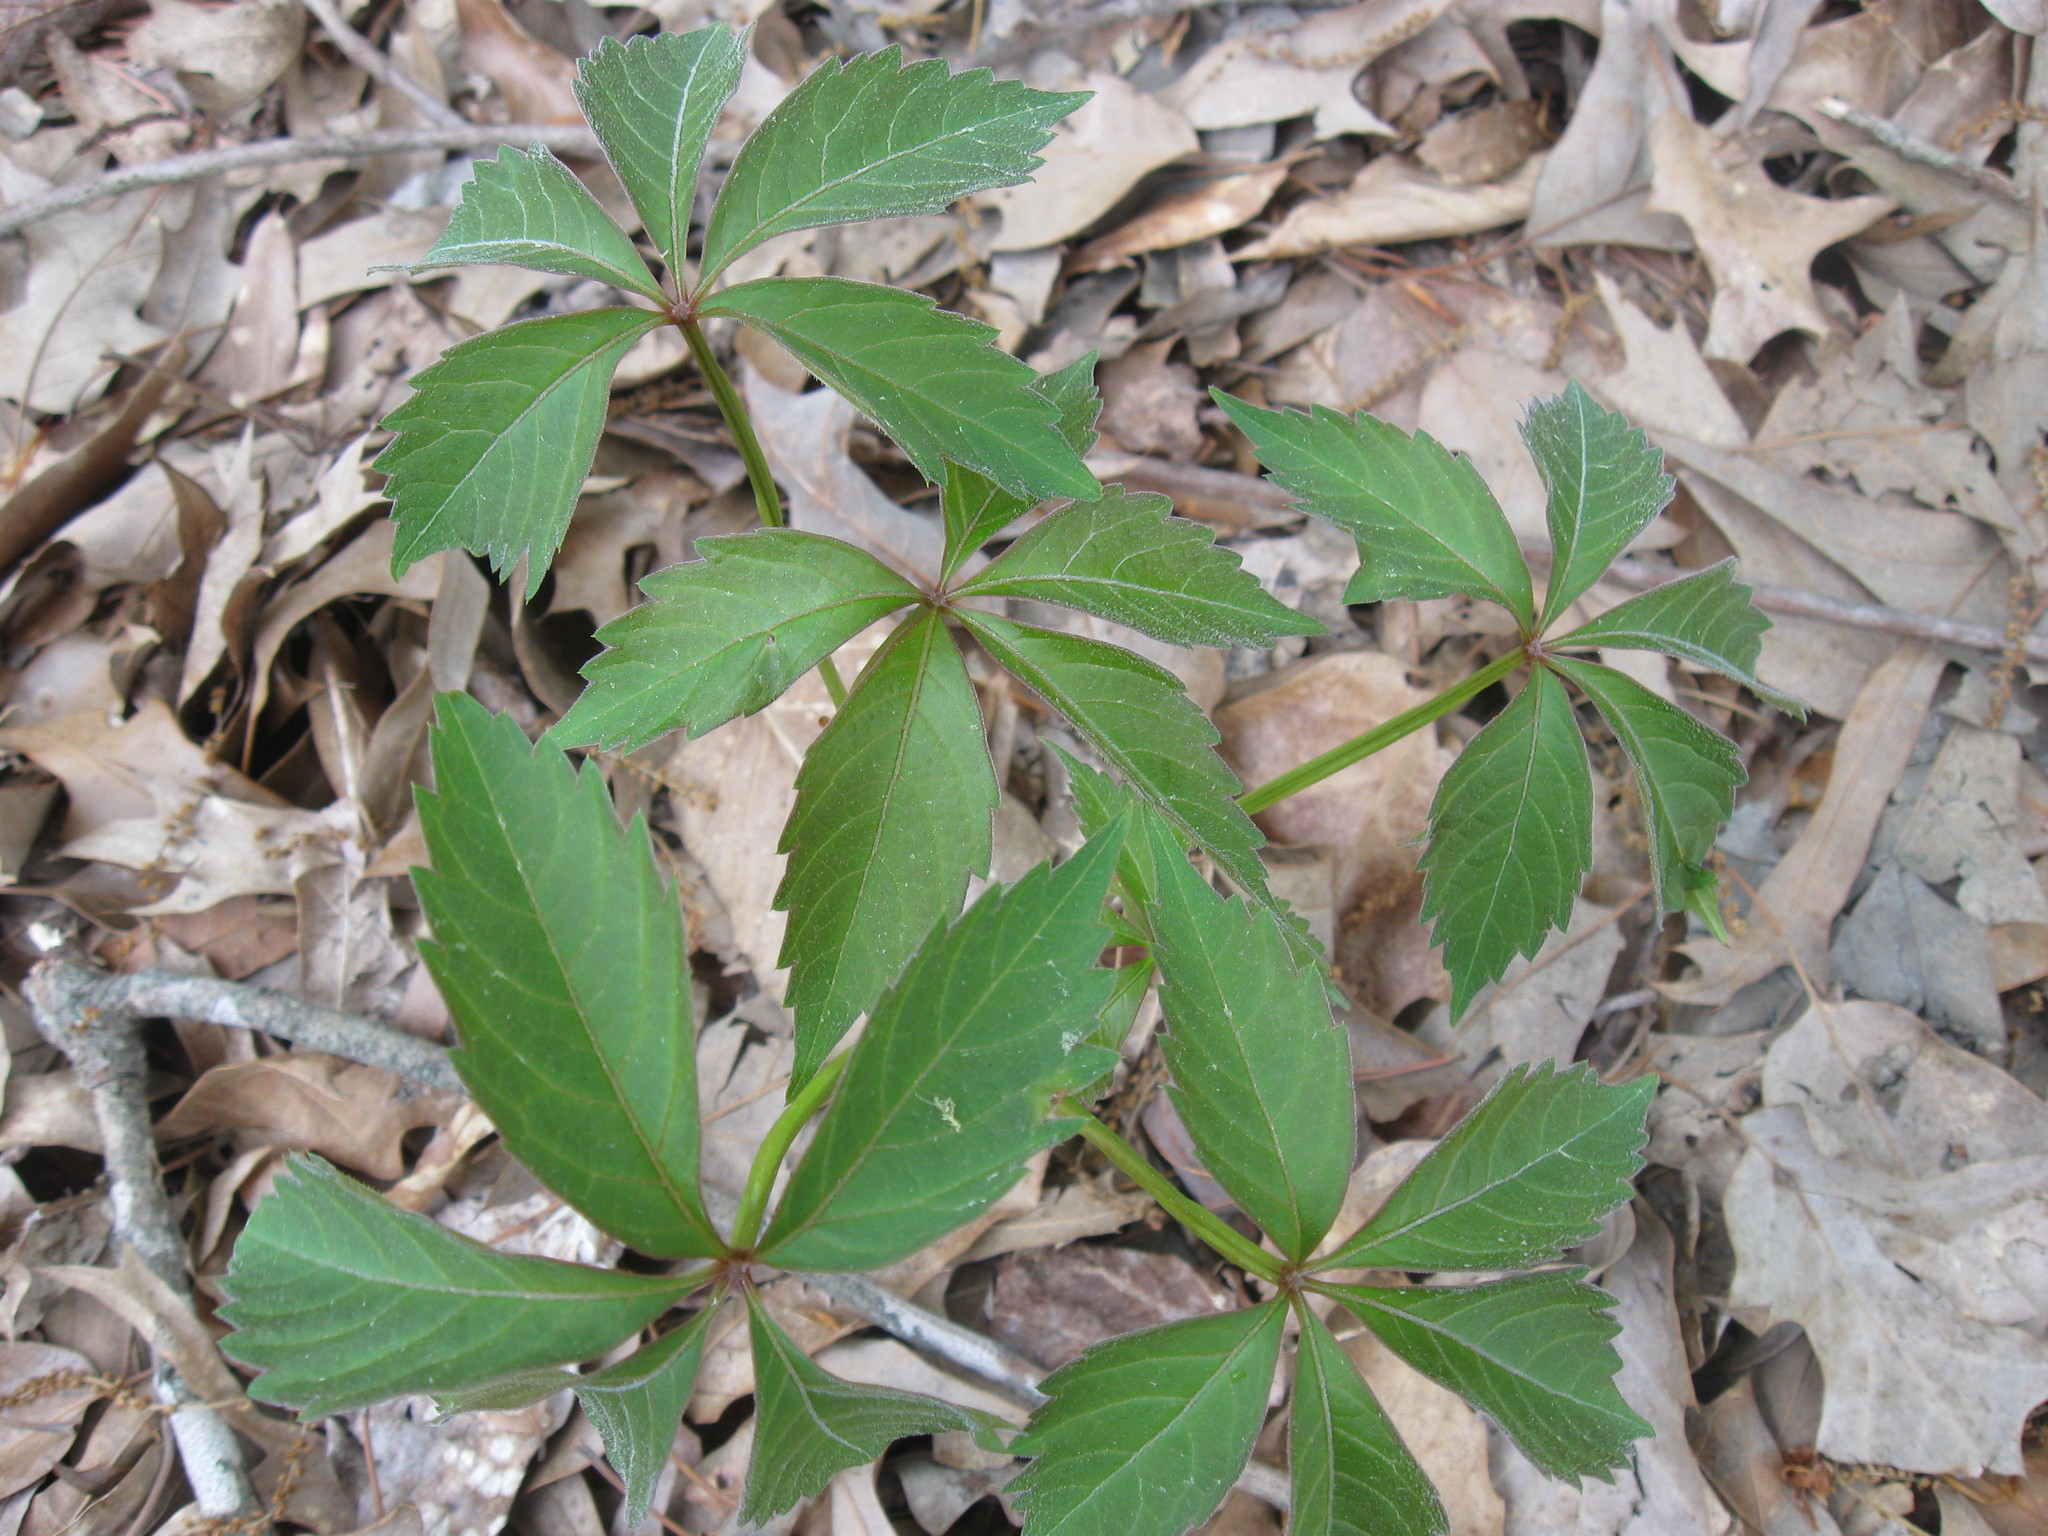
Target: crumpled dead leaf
(225, 56)
(1392, 201)
(351, 1114)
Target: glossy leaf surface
(948, 1090)
(492, 448)
(344, 1300)
(726, 635)
(894, 807)
(560, 951)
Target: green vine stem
(1378, 739)
(767, 499)
(1205, 1224)
(746, 1223)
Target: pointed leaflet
(1511, 838)
(529, 210)
(636, 1404)
(1261, 1072)
(1686, 772)
(975, 508)
(1128, 559)
(1138, 716)
(894, 809)
(809, 1424)
(1352, 1474)
(491, 450)
(1425, 522)
(1605, 482)
(345, 1300)
(949, 1089)
(727, 634)
(929, 378)
(652, 103)
(1706, 619)
(1145, 1434)
(870, 139)
(1099, 800)
(1534, 1352)
(559, 949)
(1526, 1175)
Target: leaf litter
(1792, 241)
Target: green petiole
(746, 1222)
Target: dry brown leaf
(225, 56)
(1447, 1439)
(1903, 944)
(1474, 404)
(352, 1114)
(1062, 1216)
(459, 1476)
(228, 563)
(259, 351)
(1149, 405)
(1665, 385)
(536, 82)
(105, 95)
(1213, 208)
(1891, 1204)
(1052, 1304)
(1741, 1458)
(1393, 201)
(1758, 239)
(1120, 136)
(38, 1433)
(48, 1109)
(1483, 145)
(1797, 903)
(1306, 66)
(1963, 826)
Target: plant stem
(1207, 1225)
(746, 1222)
(740, 422)
(1378, 739)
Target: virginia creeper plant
(989, 1032)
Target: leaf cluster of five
(560, 951)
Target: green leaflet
(492, 448)
(809, 1424)
(949, 1089)
(1605, 485)
(1139, 718)
(1127, 558)
(529, 210)
(1352, 1474)
(894, 810)
(636, 1404)
(652, 102)
(1686, 772)
(1262, 1074)
(1145, 1433)
(976, 509)
(1705, 618)
(1120, 1012)
(1533, 1351)
(1425, 522)
(870, 139)
(1526, 1175)
(929, 378)
(726, 635)
(1511, 837)
(1099, 800)
(559, 949)
(344, 1300)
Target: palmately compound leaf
(1128, 559)
(636, 1404)
(1425, 522)
(652, 103)
(1526, 1175)
(810, 1424)
(1534, 1352)
(1511, 838)
(1706, 619)
(872, 139)
(1686, 772)
(492, 448)
(895, 803)
(949, 1090)
(560, 951)
(1139, 717)
(343, 1300)
(975, 508)
(1261, 1072)
(527, 209)
(726, 635)
(1145, 1434)
(1352, 1474)
(1605, 482)
(929, 378)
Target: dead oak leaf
(1758, 239)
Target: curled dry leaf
(39, 1430)
(354, 1115)
(225, 56)
(1393, 201)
